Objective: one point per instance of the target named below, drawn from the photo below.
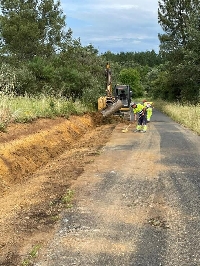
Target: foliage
(69, 74)
(131, 77)
(132, 59)
(7, 77)
(33, 253)
(5, 118)
(39, 57)
(180, 46)
(52, 62)
(30, 28)
(67, 198)
(16, 80)
(141, 62)
(27, 108)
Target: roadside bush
(27, 108)
(7, 77)
(17, 80)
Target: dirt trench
(38, 162)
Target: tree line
(179, 76)
(38, 55)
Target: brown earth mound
(26, 147)
(38, 162)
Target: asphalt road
(137, 204)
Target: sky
(114, 25)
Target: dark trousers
(142, 120)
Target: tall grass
(25, 109)
(185, 114)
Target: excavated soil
(38, 162)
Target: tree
(81, 71)
(132, 59)
(131, 77)
(32, 28)
(179, 44)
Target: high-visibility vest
(139, 109)
(148, 104)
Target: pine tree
(179, 43)
(174, 16)
(31, 27)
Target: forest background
(43, 66)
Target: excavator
(117, 100)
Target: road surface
(137, 203)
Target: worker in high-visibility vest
(140, 111)
(149, 106)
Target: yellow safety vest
(148, 104)
(139, 109)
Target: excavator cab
(123, 93)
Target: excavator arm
(107, 100)
(109, 104)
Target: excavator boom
(114, 102)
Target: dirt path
(136, 204)
(112, 204)
(103, 197)
(38, 163)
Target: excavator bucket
(112, 108)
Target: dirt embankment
(38, 161)
(26, 147)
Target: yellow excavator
(116, 100)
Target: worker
(140, 111)
(149, 106)
(122, 95)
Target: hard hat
(144, 101)
(131, 104)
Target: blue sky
(114, 25)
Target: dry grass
(24, 109)
(187, 115)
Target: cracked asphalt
(137, 203)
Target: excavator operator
(122, 95)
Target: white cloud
(115, 25)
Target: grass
(5, 118)
(33, 254)
(187, 115)
(67, 198)
(26, 109)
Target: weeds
(31, 256)
(28, 108)
(5, 118)
(55, 218)
(67, 198)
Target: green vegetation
(45, 72)
(131, 76)
(134, 59)
(179, 45)
(187, 115)
(31, 256)
(28, 108)
(67, 198)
